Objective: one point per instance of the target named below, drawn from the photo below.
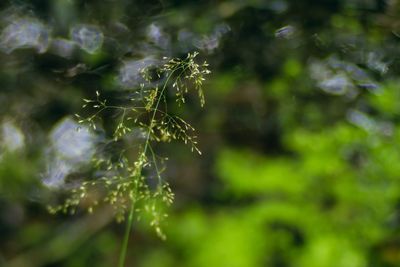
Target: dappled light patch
(209, 43)
(71, 147)
(156, 35)
(131, 72)
(285, 32)
(72, 142)
(338, 77)
(25, 33)
(88, 37)
(11, 136)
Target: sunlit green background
(300, 135)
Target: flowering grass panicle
(131, 175)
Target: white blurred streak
(72, 146)
(286, 32)
(336, 85)
(88, 37)
(372, 87)
(156, 35)
(375, 62)
(131, 72)
(365, 122)
(119, 28)
(361, 120)
(12, 138)
(25, 33)
(57, 171)
(329, 81)
(209, 43)
(338, 77)
(221, 29)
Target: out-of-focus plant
(125, 181)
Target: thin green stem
(122, 255)
(155, 164)
(132, 208)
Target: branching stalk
(124, 186)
